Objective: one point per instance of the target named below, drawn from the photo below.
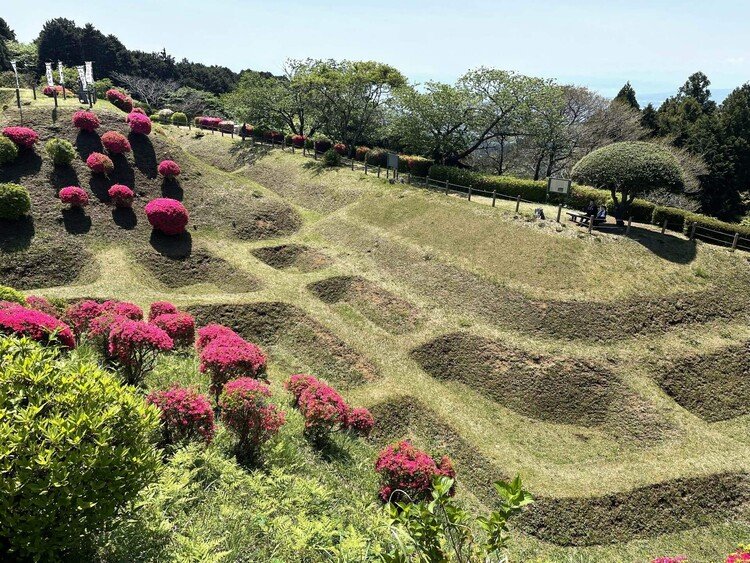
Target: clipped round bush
(60, 151)
(323, 409)
(14, 201)
(74, 196)
(121, 195)
(50, 91)
(161, 308)
(179, 118)
(297, 384)
(212, 331)
(406, 473)
(155, 118)
(207, 122)
(23, 137)
(11, 295)
(100, 163)
(86, 120)
(360, 421)
(230, 357)
(247, 412)
(360, 153)
(139, 123)
(116, 143)
(340, 148)
(120, 100)
(136, 345)
(331, 158)
(169, 168)
(179, 326)
(298, 141)
(165, 115)
(185, 414)
(226, 126)
(322, 144)
(36, 325)
(167, 215)
(8, 151)
(76, 450)
(376, 157)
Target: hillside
(609, 371)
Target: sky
(600, 44)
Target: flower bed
(167, 215)
(39, 326)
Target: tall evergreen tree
(649, 119)
(6, 32)
(626, 95)
(59, 40)
(696, 87)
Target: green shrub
(60, 151)
(727, 229)
(101, 86)
(377, 157)
(675, 217)
(331, 158)
(14, 201)
(12, 295)
(179, 118)
(76, 448)
(155, 118)
(8, 151)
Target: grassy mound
(281, 325)
(293, 257)
(558, 390)
(640, 513)
(266, 219)
(714, 386)
(382, 307)
(47, 264)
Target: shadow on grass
(16, 235)
(315, 166)
(668, 247)
(144, 155)
(28, 163)
(125, 218)
(331, 451)
(76, 221)
(172, 189)
(177, 247)
(88, 142)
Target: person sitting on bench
(591, 209)
(602, 214)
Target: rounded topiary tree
(629, 169)
(75, 196)
(179, 118)
(8, 151)
(72, 425)
(167, 215)
(60, 151)
(14, 201)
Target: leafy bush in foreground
(86, 120)
(116, 143)
(36, 325)
(23, 137)
(60, 151)
(14, 201)
(185, 414)
(65, 474)
(8, 151)
(136, 345)
(10, 295)
(167, 215)
(74, 196)
(406, 473)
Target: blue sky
(601, 44)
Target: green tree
(649, 119)
(626, 95)
(696, 87)
(6, 32)
(59, 40)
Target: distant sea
(717, 95)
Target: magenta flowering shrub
(179, 326)
(81, 313)
(136, 345)
(121, 195)
(226, 126)
(406, 473)
(86, 120)
(23, 137)
(340, 148)
(360, 422)
(231, 357)
(120, 100)
(297, 384)
(207, 122)
(677, 559)
(139, 123)
(323, 409)
(99, 329)
(211, 332)
(169, 168)
(42, 304)
(36, 325)
(123, 308)
(138, 110)
(167, 215)
(186, 415)
(100, 163)
(116, 143)
(298, 141)
(50, 91)
(161, 308)
(74, 196)
(742, 554)
(360, 153)
(247, 412)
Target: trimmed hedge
(8, 151)
(14, 201)
(60, 151)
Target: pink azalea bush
(406, 473)
(100, 163)
(81, 313)
(86, 120)
(139, 123)
(340, 148)
(186, 415)
(323, 409)
(42, 304)
(99, 329)
(123, 308)
(23, 137)
(360, 422)
(677, 559)
(297, 384)
(208, 122)
(247, 412)
(231, 357)
(169, 168)
(179, 326)
(160, 308)
(50, 91)
(116, 143)
(74, 196)
(120, 100)
(139, 110)
(167, 215)
(136, 345)
(299, 141)
(121, 195)
(37, 325)
(211, 332)
(742, 554)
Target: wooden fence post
(630, 220)
(518, 202)
(664, 226)
(352, 164)
(378, 171)
(494, 196)
(591, 223)
(387, 171)
(408, 178)
(559, 212)
(446, 186)
(469, 193)
(692, 231)
(734, 242)
(365, 168)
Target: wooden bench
(582, 220)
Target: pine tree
(626, 95)
(649, 119)
(6, 32)
(59, 40)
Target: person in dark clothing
(591, 209)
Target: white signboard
(15, 71)
(50, 78)
(89, 72)
(82, 77)
(60, 72)
(558, 186)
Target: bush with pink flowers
(139, 123)
(179, 326)
(206, 122)
(116, 143)
(298, 141)
(167, 215)
(39, 326)
(160, 308)
(323, 409)
(100, 163)
(81, 313)
(297, 384)
(668, 559)
(231, 357)
(247, 412)
(23, 137)
(50, 91)
(340, 148)
(138, 110)
(74, 196)
(186, 415)
(86, 120)
(120, 100)
(360, 153)
(123, 308)
(136, 345)
(121, 195)
(42, 304)
(212, 331)
(740, 556)
(169, 168)
(406, 473)
(360, 422)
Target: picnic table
(583, 220)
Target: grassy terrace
(514, 345)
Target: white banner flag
(82, 78)
(89, 72)
(50, 79)
(60, 72)
(15, 71)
